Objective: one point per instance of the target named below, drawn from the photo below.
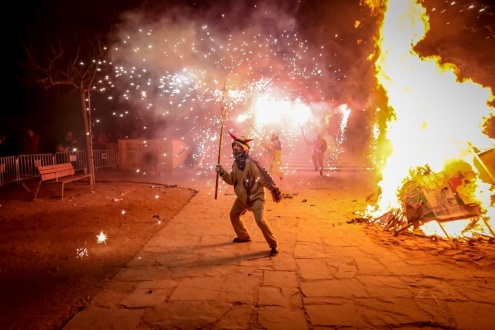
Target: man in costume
(249, 179)
(276, 164)
(319, 147)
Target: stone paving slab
(328, 274)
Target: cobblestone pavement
(328, 274)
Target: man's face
(236, 147)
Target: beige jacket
(248, 184)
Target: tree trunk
(88, 135)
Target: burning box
(447, 195)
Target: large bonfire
(437, 175)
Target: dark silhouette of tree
(76, 66)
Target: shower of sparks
(344, 112)
(81, 252)
(172, 72)
(101, 238)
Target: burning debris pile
(440, 205)
(436, 119)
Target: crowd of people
(29, 142)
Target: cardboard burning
(448, 195)
(443, 197)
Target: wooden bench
(60, 173)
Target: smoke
(462, 33)
(172, 64)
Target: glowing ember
(82, 252)
(101, 238)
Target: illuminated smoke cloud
(170, 66)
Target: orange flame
(437, 119)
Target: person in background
(68, 143)
(30, 143)
(319, 147)
(102, 141)
(4, 146)
(249, 179)
(267, 155)
(276, 164)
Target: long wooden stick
(224, 114)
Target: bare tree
(77, 64)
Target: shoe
(238, 240)
(273, 251)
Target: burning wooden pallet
(442, 199)
(397, 222)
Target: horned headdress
(243, 141)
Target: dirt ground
(52, 263)
(52, 257)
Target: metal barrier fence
(23, 167)
(105, 158)
(27, 164)
(8, 171)
(77, 158)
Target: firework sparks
(170, 69)
(170, 72)
(101, 238)
(81, 252)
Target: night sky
(459, 34)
